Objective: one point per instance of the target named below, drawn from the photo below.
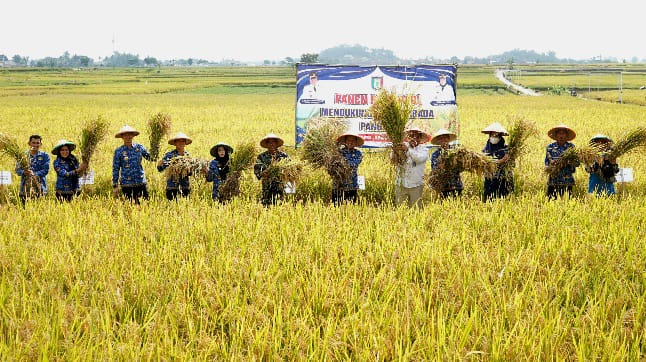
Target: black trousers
(340, 196)
(172, 194)
(556, 191)
(134, 193)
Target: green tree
(309, 58)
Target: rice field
(515, 279)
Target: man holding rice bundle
(272, 189)
(409, 180)
(346, 190)
(33, 180)
(178, 184)
(127, 170)
(563, 182)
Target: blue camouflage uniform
(353, 159)
(173, 183)
(126, 166)
(213, 175)
(565, 177)
(67, 179)
(39, 165)
(454, 185)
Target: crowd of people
(129, 178)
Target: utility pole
(620, 85)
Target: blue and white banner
(336, 91)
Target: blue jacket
(213, 175)
(455, 183)
(67, 180)
(353, 158)
(565, 176)
(174, 183)
(126, 165)
(39, 165)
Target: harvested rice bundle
(283, 171)
(573, 156)
(460, 159)
(158, 128)
(630, 142)
(520, 131)
(92, 133)
(393, 112)
(9, 146)
(242, 159)
(321, 149)
(182, 166)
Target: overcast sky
(251, 30)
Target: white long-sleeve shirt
(412, 173)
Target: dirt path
(500, 74)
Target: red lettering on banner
(375, 137)
(351, 99)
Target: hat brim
(173, 140)
(120, 134)
(56, 150)
(427, 137)
(360, 140)
(452, 137)
(263, 142)
(570, 133)
(214, 149)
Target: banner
(346, 92)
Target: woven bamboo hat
(126, 129)
(570, 132)
(214, 149)
(360, 140)
(497, 128)
(56, 150)
(426, 138)
(263, 142)
(600, 137)
(180, 136)
(442, 132)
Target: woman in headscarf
(67, 169)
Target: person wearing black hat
(67, 169)
(33, 181)
(563, 182)
(218, 167)
(272, 190)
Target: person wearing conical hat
(176, 186)
(409, 179)
(563, 182)
(33, 180)
(453, 186)
(603, 169)
(501, 183)
(67, 169)
(218, 167)
(127, 170)
(272, 190)
(347, 190)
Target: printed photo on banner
(346, 92)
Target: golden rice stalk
(519, 133)
(158, 128)
(284, 170)
(321, 150)
(457, 160)
(183, 166)
(393, 112)
(630, 142)
(9, 146)
(573, 156)
(92, 133)
(242, 159)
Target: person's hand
(28, 173)
(504, 159)
(160, 163)
(115, 192)
(401, 147)
(83, 167)
(264, 174)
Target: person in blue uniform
(347, 190)
(68, 170)
(602, 172)
(127, 170)
(176, 186)
(218, 168)
(501, 183)
(33, 181)
(562, 183)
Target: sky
(255, 30)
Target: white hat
(126, 129)
(442, 132)
(263, 142)
(427, 137)
(180, 136)
(497, 128)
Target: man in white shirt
(409, 182)
(444, 93)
